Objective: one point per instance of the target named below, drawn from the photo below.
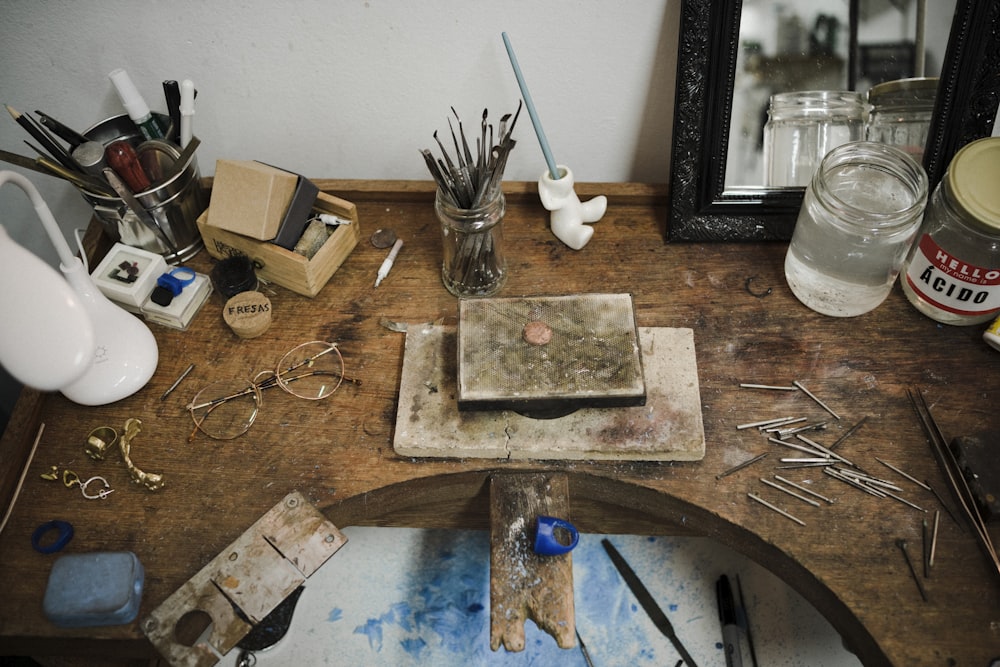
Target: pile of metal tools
(470, 184)
(957, 482)
(790, 432)
(466, 182)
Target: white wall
(348, 88)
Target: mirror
(798, 45)
(703, 208)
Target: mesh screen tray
(549, 353)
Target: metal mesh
(593, 355)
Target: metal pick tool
(646, 601)
(383, 238)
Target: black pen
(729, 622)
(172, 95)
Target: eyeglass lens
(227, 409)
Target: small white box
(183, 307)
(128, 275)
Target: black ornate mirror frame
(700, 207)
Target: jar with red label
(953, 270)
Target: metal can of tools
(474, 263)
(803, 127)
(953, 271)
(858, 218)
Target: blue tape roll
(62, 539)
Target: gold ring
(99, 441)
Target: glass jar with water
(858, 219)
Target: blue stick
(551, 161)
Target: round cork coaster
(248, 314)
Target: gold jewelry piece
(99, 441)
(70, 479)
(151, 481)
(52, 475)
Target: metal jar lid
(915, 93)
(972, 179)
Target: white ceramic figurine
(569, 216)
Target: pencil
(43, 137)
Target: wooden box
(284, 267)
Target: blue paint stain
(443, 604)
(335, 614)
(672, 607)
(373, 630)
(413, 646)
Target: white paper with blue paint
(400, 597)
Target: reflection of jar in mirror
(901, 114)
(803, 127)
(953, 271)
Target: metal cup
(173, 205)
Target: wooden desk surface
(339, 452)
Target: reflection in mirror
(703, 208)
(811, 45)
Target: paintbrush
(42, 136)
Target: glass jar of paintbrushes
(474, 264)
(470, 206)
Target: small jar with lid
(900, 113)
(804, 126)
(953, 271)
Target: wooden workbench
(339, 452)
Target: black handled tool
(653, 610)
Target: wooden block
(523, 584)
(284, 267)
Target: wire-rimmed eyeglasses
(227, 409)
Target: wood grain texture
(524, 585)
(338, 452)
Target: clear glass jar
(474, 263)
(802, 127)
(953, 271)
(858, 218)
(900, 114)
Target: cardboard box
(284, 267)
(297, 215)
(251, 198)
